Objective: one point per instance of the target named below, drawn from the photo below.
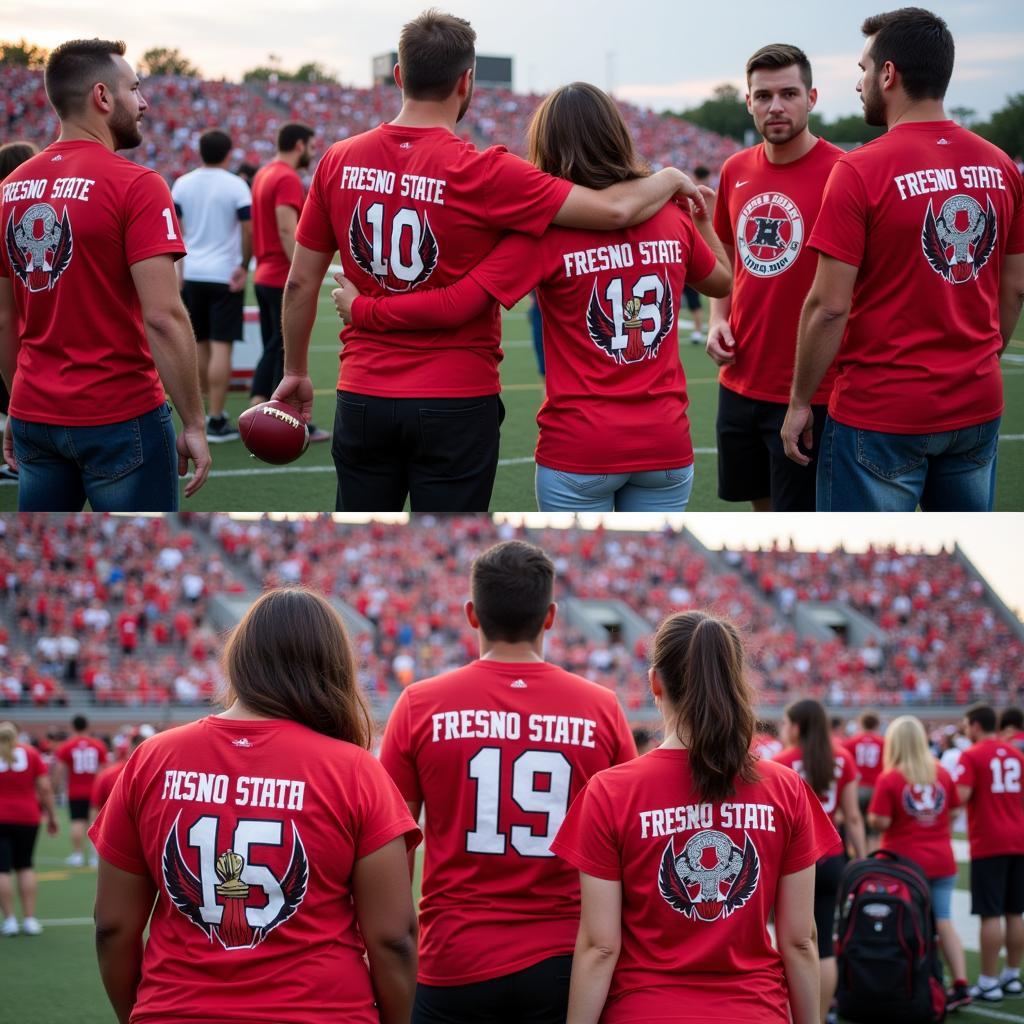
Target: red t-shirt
(408, 206)
(83, 756)
(995, 810)
(75, 218)
(272, 936)
(275, 185)
(845, 773)
(927, 212)
(103, 784)
(615, 391)
(765, 746)
(766, 211)
(920, 816)
(19, 804)
(866, 748)
(698, 883)
(497, 751)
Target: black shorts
(78, 810)
(692, 298)
(997, 885)
(536, 995)
(752, 463)
(216, 312)
(440, 453)
(827, 876)
(17, 843)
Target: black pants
(827, 878)
(270, 369)
(441, 453)
(536, 995)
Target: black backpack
(886, 947)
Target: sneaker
(10, 926)
(1012, 987)
(956, 997)
(76, 860)
(697, 338)
(219, 429)
(990, 994)
(6, 473)
(30, 926)
(316, 434)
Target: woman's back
(698, 883)
(250, 829)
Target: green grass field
(53, 978)
(240, 483)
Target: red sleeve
(417, 311)
(64, 754)
(811, 835)
(946, 781)
(383, 813)
(882, 797)
(512, 269)
(702, 259)
(841, 228)
(288, 192)
(587, 839)
(315, 230)
(96, 796)
(851, 773)
(151, 225)
(396, 754)
(964, 773)
(37, 764)
(721, 220)
(518, 197)
(114, 832)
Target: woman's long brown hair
(578, 134)
(815, 742)
(699, 659)
(290, 658)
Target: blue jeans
(655, 490)
(870, 471)
(130, 466)
(942, 896)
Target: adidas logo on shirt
(519, 684)
(243, 742)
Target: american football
(273, 432)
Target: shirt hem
(917, 428)
(377, 392)
(642, 467)
(451, 980)
(820, 398)
(58, 419)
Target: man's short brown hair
(75, 67)
(776, 56)
(434, 50)
(920, 47)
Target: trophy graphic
(234, 929)
(633, 326)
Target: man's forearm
(8, 351)
(297, 318)
(644, 197)
(820, 335)
(1011, 301)
(174, 352)
(592, 970)
(287, 237)
(721, 308)
(120, 961)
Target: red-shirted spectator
(81, 757)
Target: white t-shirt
(209, 200)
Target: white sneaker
(989, 994)
(696, 337)
(10, 926)
(30, 926)
(1012, 986)
(76, 860)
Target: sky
(658, 53)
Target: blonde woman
(911, 807)
(24, 792)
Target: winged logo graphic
(691, 882)
(421, 262)
(231, 919)
(959, 242)
(39, 247)
(640, 344)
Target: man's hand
(191, 444)
(798, 426)
(236, 282)
(688, 189)
(344, 295)
(9, 457)
(721, 345)
(52, 828)
(296, 390)
(703, 212)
